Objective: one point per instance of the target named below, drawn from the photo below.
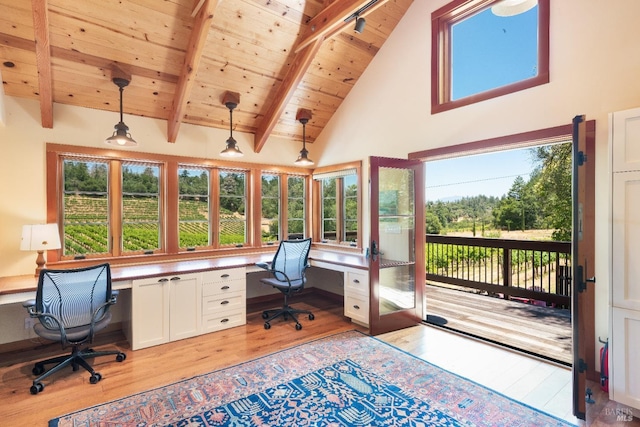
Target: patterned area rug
(348, 379)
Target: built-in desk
(197, 294)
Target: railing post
(506, 266)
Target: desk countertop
(126, 273)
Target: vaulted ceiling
(182, 56)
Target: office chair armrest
(114, 297)
(264, 265)
(30, 305)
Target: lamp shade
(40, 237)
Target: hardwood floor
(543, 331)
(157, 366)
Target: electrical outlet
(28, 322)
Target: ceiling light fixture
(231, 100)
(303, 159)
(121, 136)
(360, 23)
(512, 7)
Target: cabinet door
(185, 303)
(626, 140)
(624, 369)
(626, 240)
(149, 312)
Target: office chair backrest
(291, 258)
(73, 295)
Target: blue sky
(491, 174)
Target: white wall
(594, 70)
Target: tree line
(541, 202)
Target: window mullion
(115, 208)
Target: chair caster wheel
(37, 369)
(95, 378)
(298, 326)
(265, 314)
(311, 316)
(36, 388)
(267, 325)
(120, 357)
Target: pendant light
(303, 159)
(508, 8)
(360, 23)
(231, 100)
(121, 136)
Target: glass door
(397, 265)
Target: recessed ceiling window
(483, 49)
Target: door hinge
(582, 158)
(582, 366)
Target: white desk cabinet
(165, 309)
(224, 299)
(356, 295)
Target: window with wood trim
(125, 204)
(482, 49)
(338, 216)
(194, 209)
(270, 218)
(296, 207)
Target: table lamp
(40, 237)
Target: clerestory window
(483, 49)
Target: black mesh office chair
(288, 276)
(71, 306)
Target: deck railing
(533, 271)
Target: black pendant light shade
(121, 136)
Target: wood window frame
(441, 22)
(56, 153)
(317, 206)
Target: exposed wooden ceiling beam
(294, 75)
(43, 60)
(331, 20)
(190, 67)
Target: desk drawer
(223, 288)
(224, 275)
(234, 302)
(356, 282)
(220, 321)
(357, 308)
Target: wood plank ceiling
(183, 55)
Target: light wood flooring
(535, 382)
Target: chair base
(285, 311)
(76, 359)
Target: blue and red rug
(348, 379)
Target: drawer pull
(224, 276)
(224, 302)
(357, 307)
(224, 320)
(164, 279)
(224, 288)
(175, 278)
(356, 281)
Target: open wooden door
(397, 264)
(583, 261)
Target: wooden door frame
(532, 139)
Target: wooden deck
(542, 331)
